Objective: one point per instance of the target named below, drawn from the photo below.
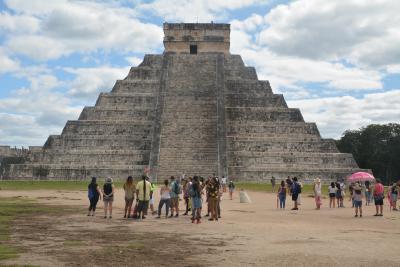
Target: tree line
(375, 147)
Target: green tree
(375, 147)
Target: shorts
(295, 197)
(142, 206)
(332, 195)
(196, 202)
(394, 197)
(174, 201)
(151, 201)
(129, 201)
(108, 199)
(358, 203)
(378, 201)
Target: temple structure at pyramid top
(195, 109)
(193, 38)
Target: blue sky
(338, 61)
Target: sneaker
(110, 217)
(360, 215)
(380, 214)
(105, 217)
(207, 215)
(125, 216)
(376, 214)
(158, 217)
(211, 219)
(171, 215)
(88, 215)
(356, 215)
(177, 215)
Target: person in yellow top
(143, 190)
(129, 188)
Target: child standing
(357, 197)
(282, 195)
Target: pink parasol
(360, 177)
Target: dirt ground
(255, 234)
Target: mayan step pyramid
(195, 109)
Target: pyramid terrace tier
(283, 144)
(93, 157)
(107, 127)
(264, 114)
(271, 129)
(87, 141)
(144, 100)
(251, 159)
(247, 88)
(306, 175)
(137, 113)
(74, 171)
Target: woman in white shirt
(317, 193)
(332, 194)
(165, 198)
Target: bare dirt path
(255, 234)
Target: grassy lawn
(10, 208)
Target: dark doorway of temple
(193, 49)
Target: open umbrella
(361, 177)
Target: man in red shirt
(378, 197)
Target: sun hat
(318, 180)
(109, 180)
(357, 186)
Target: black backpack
(298, 188)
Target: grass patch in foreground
(73, 243)
(10, 208)
(7, 252)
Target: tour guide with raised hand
(143, 189)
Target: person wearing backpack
(175, 191)
(93, 195)
(108, 197)
(296, 190)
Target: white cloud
(195, 10)
(18, 24)
(89, 82)
(6, 63)
(336, 114)
(82, 27)
(365, 32)
(134, 61)
(285, 71)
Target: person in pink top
(378, 197)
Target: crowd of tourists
(194, 191)
(337, 192)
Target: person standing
(195, 193)
(213, 191)
(143, 189)
(378, 197)
(273, 182)
(231, 187)
(317, 193)
(175, 191)
(165, 198)
(357, 197)
(129, 189)
(223, 182)
(282, 195)
(367, 193)
(108, 197)
(93, 195)
(394, 192)
(186, 197)
(296, 190)
(332, 194)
